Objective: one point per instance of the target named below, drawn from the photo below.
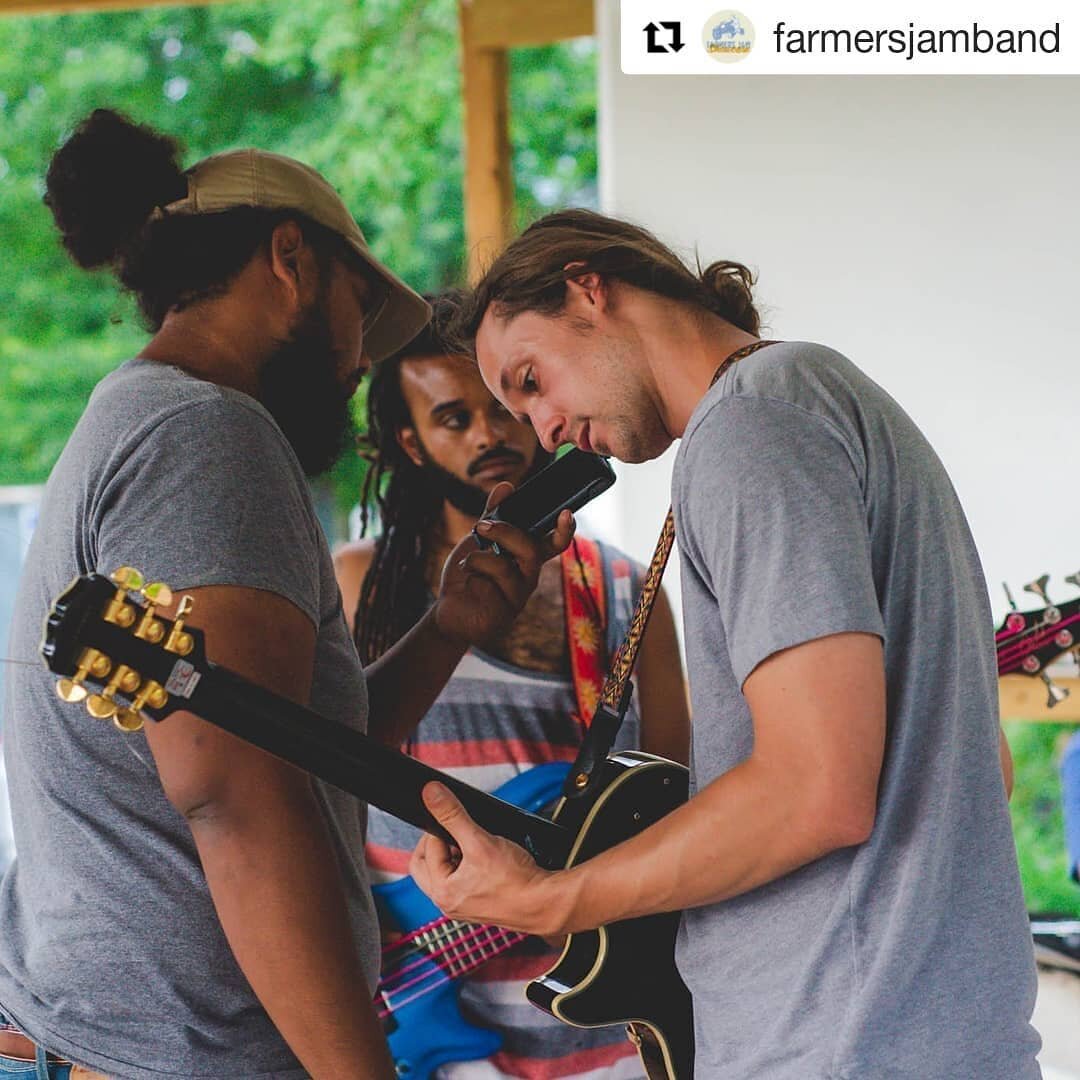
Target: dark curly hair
(103, 186)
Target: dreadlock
(394, 594)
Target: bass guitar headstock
(1027, 641)
(116, 653)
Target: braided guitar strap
(615, 696)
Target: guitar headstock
(1027, 641)
(105, 634)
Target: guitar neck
(360, 765)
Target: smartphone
(568, 483)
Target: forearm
(275, 883)
(742, 831)
(405, 681)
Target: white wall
(927, 227)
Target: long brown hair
(532, 271)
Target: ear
(589, 290)
(291, 260)
(407, 440)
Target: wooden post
(489, 191)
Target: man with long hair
(441, 443)
(845, 868)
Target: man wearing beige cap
(182, 904)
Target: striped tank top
(493, 721)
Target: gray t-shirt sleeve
(212, 495)
(776, 527)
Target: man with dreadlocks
(442, 443)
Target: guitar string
(446, 954)
(444, 969)
(439, 937)
(444, 925)
(1014, 648)
(488, 933)
(436, 979)
(1011, 638)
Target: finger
(445, 808)
(559, 539)
(503, 572)
(432, 861)
(496, 495)
(519, 545)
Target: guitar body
(624, 973)
(429, 1030)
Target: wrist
(560, 902)
(441, 633)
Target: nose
(486, 430)
(551, 433)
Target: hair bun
(105, 180)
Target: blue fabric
(31, 1070)
(1070, 803)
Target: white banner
(841, 37)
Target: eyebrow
(447, 406)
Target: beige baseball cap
(273, 182)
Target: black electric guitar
(127, 662)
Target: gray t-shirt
(110, 950)
(807, 503)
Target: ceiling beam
(506, 24)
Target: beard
(299, 387)
(469, 498)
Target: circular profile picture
(729, 37)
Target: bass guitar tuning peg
(1074, 579)
(1038, 587)
(1055, 694)
(1009, 596)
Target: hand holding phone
(568, 483)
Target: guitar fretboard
(434, 954)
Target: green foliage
(368, 93)
(1036, 814)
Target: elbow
(854, 827)
(844, 819)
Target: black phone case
(568, 483)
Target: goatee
(470, 499)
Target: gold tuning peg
(157, 594)
(128, 720)
(71, 690)
(91, 662)
(103, 705)
(179, 641)
(120, 611)
(131, 719)
(128, 578)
